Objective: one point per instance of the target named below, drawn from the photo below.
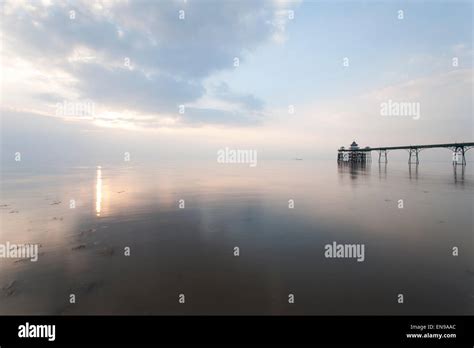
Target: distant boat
(297, 159)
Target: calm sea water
(190, 251)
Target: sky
(86, 81)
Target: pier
(355, 154)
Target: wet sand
(190, 251)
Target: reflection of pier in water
(412, 173)
(459, 175)
(358, 169)
(355, 169)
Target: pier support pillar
(459, 156)
(414, 152)
(383, 156)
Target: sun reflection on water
(98, 191)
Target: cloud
(137, 56)
(134, 90)
(202, 116)
(246, 101)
